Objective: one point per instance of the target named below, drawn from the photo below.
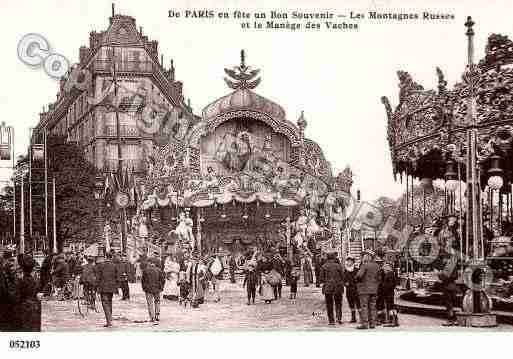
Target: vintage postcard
(210, 166)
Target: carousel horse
(184, 230)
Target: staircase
(355, 250)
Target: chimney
(140, 30)
(172, 72)
(162, 60)
(113, 11)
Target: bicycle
(87, 300)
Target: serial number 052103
(24, 344)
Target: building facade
(120, 54)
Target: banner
(5, 143)
(38, 152)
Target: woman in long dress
(267, 290)
(196, 277)
(307, 270)
(171, 269)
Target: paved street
(305, 313)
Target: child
(251, 282)
(184, 287)
(294, 278)
(388, 290)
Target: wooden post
(54, 220)
(198, 234)
(289, 244)
(22, 221)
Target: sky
(336, 77)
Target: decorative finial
(301, 121)
(442, 83)
(469, 24)
(470, 46)
(242, 76)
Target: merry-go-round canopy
(243, 150)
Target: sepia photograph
(233, 166)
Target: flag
(5, 143)
(369, 215)
(113, 182)
(106, 187)
(126, 180)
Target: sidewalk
(232, 313)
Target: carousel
(240, 177)
(462, 137)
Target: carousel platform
(429, 305)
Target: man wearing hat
(28, 306)
(352, 297)
(368, 279)
(8, 268)
(152, 283)
(332, 277)
(107, 277)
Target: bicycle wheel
(96, 301)
(83, 305)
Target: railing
(124, 66)
(111, 165)
(124, 131)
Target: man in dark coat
(351, 291)
(107, 280)
(152, 283)
(45, 274)
(368, 278)
(60, 273)
(8, 292)
(123, 272)
(278, 266)
(28, 306)
(332, 277)
(448, 277)
(232, 265)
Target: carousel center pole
(476, 311)
(474, 219)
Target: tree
(76, 207)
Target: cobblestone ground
(307, 312)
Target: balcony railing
(124, 131)
(111, 165)
(124, 66)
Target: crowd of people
(187, 277)
(369, 290)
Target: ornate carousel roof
(429, 126)
(244, 102)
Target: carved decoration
(425, 122)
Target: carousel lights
(245, 215)
(495, 180)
